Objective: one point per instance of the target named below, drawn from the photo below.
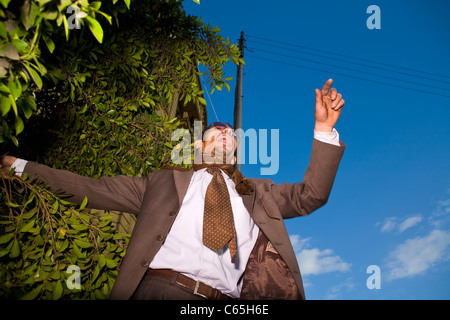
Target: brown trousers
(157, 288)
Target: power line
(349, 57)
(351, 62)
(350, 69)
(206, 90)
(347, 68)
(348, 76)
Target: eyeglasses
(221, 125)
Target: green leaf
(127, 2)
(49, 42)
(95, 27)
(34, 75)
(15, 141)
(3, 32)
(13, 104)
(6, 238)
(95, 273)
(96, 4)
(110, 263)
(30, 213)
(32, 294)
(82, 244)
(84, 203)
(15, 249)
(79, 227)
(5, 3)
(78, 252)
(14, 205)
(63, 246)
(29, 225)
(15, 87)
(9, 51)
(57, 291)
(3, 252)
(202, 101)
(5, 104)
(66, 26)
(4, 88)
(19, 125)
(30, 10)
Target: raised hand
(329, 105)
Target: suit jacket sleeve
(304, 197)
(121, 193)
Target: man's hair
(215, 125)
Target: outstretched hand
(329, 105)
(6, 162)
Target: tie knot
(212, 170)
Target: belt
(196, 287)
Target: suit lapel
(182, 181)
(249, 203)
(249, 200)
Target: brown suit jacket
(272, 271)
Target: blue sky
(390, 205)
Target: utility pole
(238, 94)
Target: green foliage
(25, 28)
(89, 100)
(42, 235)
(157, 45)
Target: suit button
(159, 237)
(145, 263)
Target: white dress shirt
(183, 250)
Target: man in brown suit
(166, 258)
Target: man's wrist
(322, 127)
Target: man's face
(220, 142)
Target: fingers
(339, 105)
(318, 96)
(326, 87)
(6, 162)
(331, 95)
(335, 98)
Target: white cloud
(399, 225)
(440, 217)
(408, 223)
(388, 225)
(316, 261)
(299, 243)
(415, 256)
(337, 292)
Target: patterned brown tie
(218, 224)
